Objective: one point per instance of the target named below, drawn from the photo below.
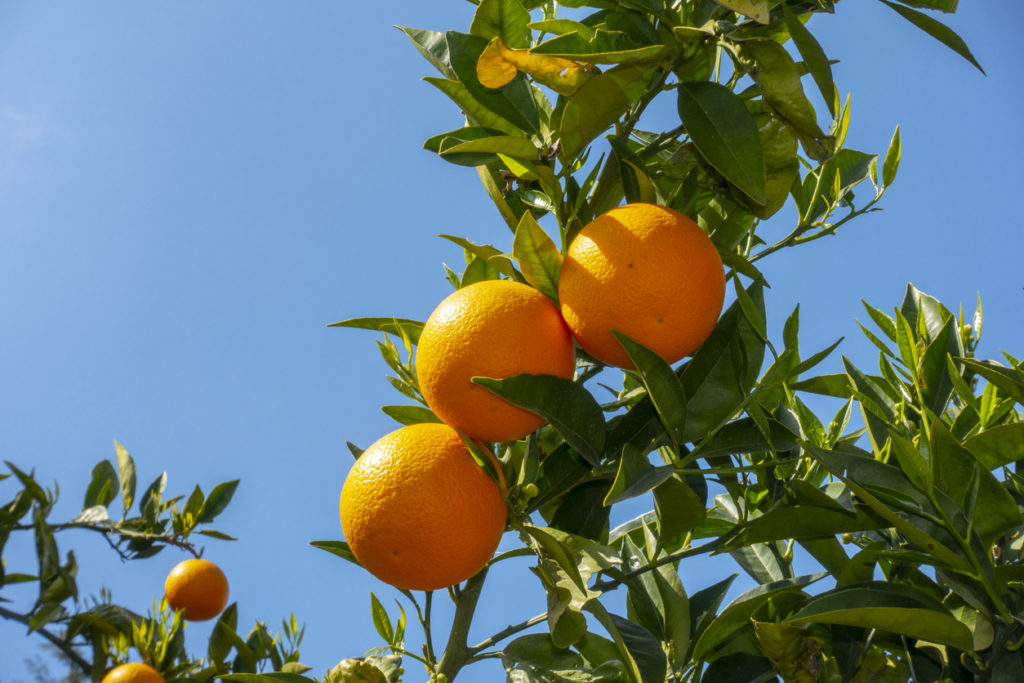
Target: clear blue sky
(190, 192)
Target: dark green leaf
(661, 383)
(513, 102)
(892, 607)
(505, 19)
(604, 47)
(569, 407)
(743, 436)
(679, 509)
(217, 501)
(725, 134)
(936, 29)
(814, 57)
(102, 485)
(1007, 380)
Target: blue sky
(190, 192)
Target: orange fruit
(197, 586)
(133, 672)
(418, 511)
(647, 271)
(494, 328)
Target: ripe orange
(494, 328)
(417, 510)
(132, 672)
(197, 586)
(647, 271)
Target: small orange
(647, 271)
(197, 586)
(133, 672)
(418, 511)
(494, 328)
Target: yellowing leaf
(755, 9)
(499, 64)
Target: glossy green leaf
(814, 58)
(478, 113)
(936, 29)
(395, 326)
(936, 386)
(537, 255)
(505, 19)
(487, 253)
(1007, 380)
(801, 522)
(847, 169)
(662, 385)
(896, 608)
(537, 649)
(603, 47)
(513, 102)
(570, 408)
(743, 436)
(998, 446)
(381, 621)
(737, 614)
(676, 609)
(957, 473)
(635, 476)
(433, 46)
(723, 370)
(513, 146)
(597, 105)
(725, 134)
(781, 165)
(217, 501)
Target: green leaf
(433, 46)
(998, 446)
(936, 29)
(505, 19)
(892, 607)
(814, 57)
(603, 47)
(217, 501)
(597, 105)
(410, 415)
(892, 159)
(847, 169)
(676, 608)
(936, 386)
(102, 488)
(537, 255)
(477, 112)
(781, 165)
(661, 383)
(395, 326)
(339, 548)
(276, 677)
(537, 649)
(737, 614)
(802, 522)
(381, 620)
(743, 436)
(957, 473)
(1007, 380)
(758, 10)
(679, 509)
(569, 407)
(635, 476)
(725, 134)
(776, 74)
(947, 6)
(126, 472)
(723, 370)
(513, 102)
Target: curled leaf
(499, 64)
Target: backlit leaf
(755, 9)
(537, 255)
(597, 105)
(503, 19)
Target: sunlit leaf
(499, 64)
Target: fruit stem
(456, 653)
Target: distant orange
(494, 328)
(133, 672)
(418, 511)
(197, 586)
(647, 271)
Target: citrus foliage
(914, 521)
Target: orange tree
(914, 519)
